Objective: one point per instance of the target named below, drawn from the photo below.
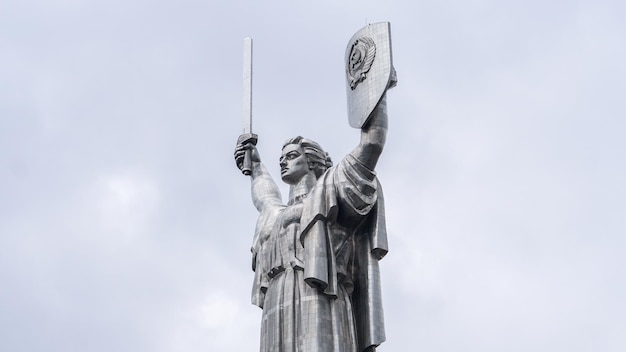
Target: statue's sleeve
(356, 186)
(360, 193)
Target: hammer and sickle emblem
(362, 53)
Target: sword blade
(246, 121)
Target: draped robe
(316, 265)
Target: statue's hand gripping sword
(247, 136)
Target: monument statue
(315, 259)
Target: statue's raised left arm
(373, 136)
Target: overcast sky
(125, 225)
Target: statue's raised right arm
(265, 192)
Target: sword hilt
(247, 138)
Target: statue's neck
(301, 189)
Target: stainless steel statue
(315, 259)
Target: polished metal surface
(315, 259)
(369, 70)
(246, 121)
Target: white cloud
(218, 310)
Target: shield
(369, 71)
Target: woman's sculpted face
(293, 164)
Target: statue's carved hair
(319, 160)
